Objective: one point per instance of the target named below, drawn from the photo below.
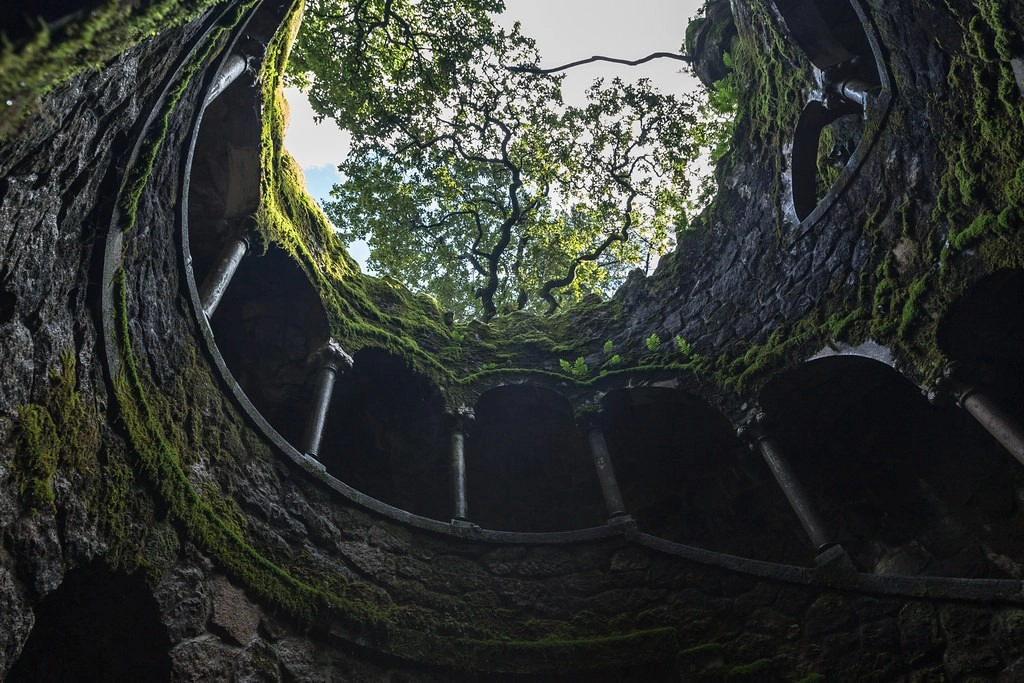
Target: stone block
(234, 615)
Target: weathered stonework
(138, 452)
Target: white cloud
(312, 144)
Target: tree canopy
(469, 177)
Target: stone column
(332, 361)
(228, 74)
(758, 437)
(461, 421)
(854, 90)
(997, 422)
(605, 472)
(219, 277)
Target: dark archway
(97, 626)
(839, 129)
(527, 466)
(267, 327)
(906, 487)
(833, 38)
(385, 435)
(686, 477)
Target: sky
(565, 31)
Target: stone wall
(130, 462)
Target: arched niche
(833, 37)
(268, 324)
(837, 128)
(984, 332)
(386, 435)
(96, 626)
(224, 187)
(906, 487)
(527, 466)
(686, 477)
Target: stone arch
(224, 186)
(385, 435)
(98, 625)
(527, 466)
(845, 124)
(904, 486)
(686, 477)
(834, 37)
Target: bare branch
(527, 69)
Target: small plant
(458, 335)
(615, 360)
(608, 346)
(489, 366)
(653, 342)
(576, 369)
(683, 346)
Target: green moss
(754, 669)
(63, 430)
(828, 169)
(161, 462)
(911, 309)
(38, 440)
(776, 76)
(126, 512)
(30, 70)
(981, 192)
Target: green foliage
(614, 360)
(652, 343)
(683, 346)
(468, 176)
(720, 108)
(608, 346)
(577, 369)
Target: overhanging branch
(527, 69)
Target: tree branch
(528, 69)
(620, 236)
